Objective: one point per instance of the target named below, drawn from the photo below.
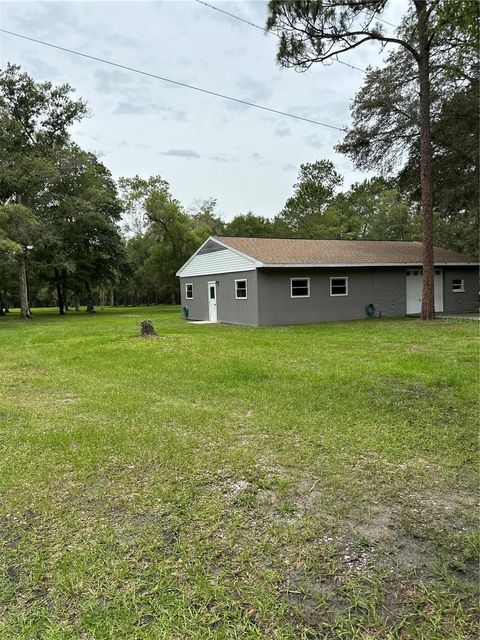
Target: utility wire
(390, 24)
(257, 26)
(176, 82)
(231, 15)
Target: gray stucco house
(268, 281)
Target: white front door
(212, 301)
(414, 290)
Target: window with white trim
(299, 287)
(189, 291)
(241, 289)
(458, 285)
(339, 286)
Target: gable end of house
(215, 257)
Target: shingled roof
(280, 251)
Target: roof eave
(292, 265)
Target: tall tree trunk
(24, 306)
(22, 272)
(64, 289)
(60, 296)
(428, 297)
(90, 304)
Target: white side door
(414, 290)
(212, 301)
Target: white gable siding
(225, 261)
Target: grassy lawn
(222, 482)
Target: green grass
(230, 483)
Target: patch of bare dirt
(449, 500)
(378, 527)
(232, 488)
(377, 542)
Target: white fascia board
(375, 264)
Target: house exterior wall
(384, 288)
(229, 309)
(198, 307)
(389, 291)
(269, 301)
(461, 302)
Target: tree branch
(347, 37)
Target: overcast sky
(204, 146)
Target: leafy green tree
(34, 118)
(175, 239)
(386, 126)
(307, 213)
(134, 193)
(374, 210)
(167, 224)
(82, 248)
(317, 31)
(34, 121)
(385, 136)
(248, 225)
(205, 221)
(385, 116)
(139, 283)
(455, 171)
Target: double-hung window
(458, 285)
(189, 291)
(339, 286)
(241, 289)
(299, 287)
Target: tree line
(71, 235)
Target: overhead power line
(231, 15)
(390, 24)
(176, 82)
(257, 26)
